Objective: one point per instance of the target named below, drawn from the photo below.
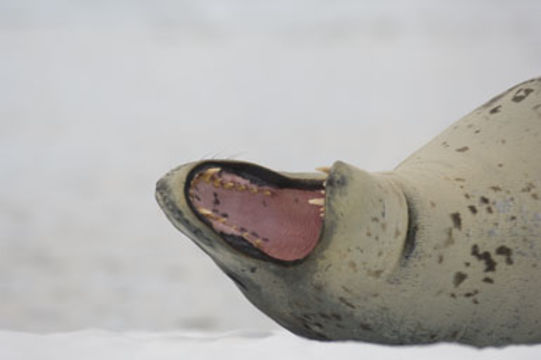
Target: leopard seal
(446, 247)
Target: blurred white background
(98, 99)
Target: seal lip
(260, 176)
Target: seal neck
(367, 217)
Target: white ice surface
(238, 345)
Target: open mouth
(258, 212)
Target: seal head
(291, 242)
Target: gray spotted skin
(447, 247)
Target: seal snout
(259, 212)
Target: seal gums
(258, 212)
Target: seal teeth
(317, 201)
(205, 212)
(212, 171)
(207, 175)
(324, 169)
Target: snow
(238, 345)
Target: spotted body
(447, 247)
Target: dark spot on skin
(324, 316)
(500, 165)
(496, 188)
(347, 303)
(512, 218)
(450, 240)
(529, 187)
(470, 294)
(484, 200)
(445, 144)
(503, 141)
(506, 252)
(453, 295)
(374, 273)
(375, 219)
(488, 280)
(440, 259)
(365, 327)
(467, 196)
(253, 269)
(457, 221)
(265, 239)
(264, 203)
(462, 149)
(473, 209)
(296, 200)
(337, 316)
(489, 209)
(535, 196)
(490, 264)
(495, 110)
(467, 264)
(475, 301)
(477, 131)
(224, 215)
(459, 278)
(460, 179)
(521, 94)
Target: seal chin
(259, 212)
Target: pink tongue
(279, 222)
